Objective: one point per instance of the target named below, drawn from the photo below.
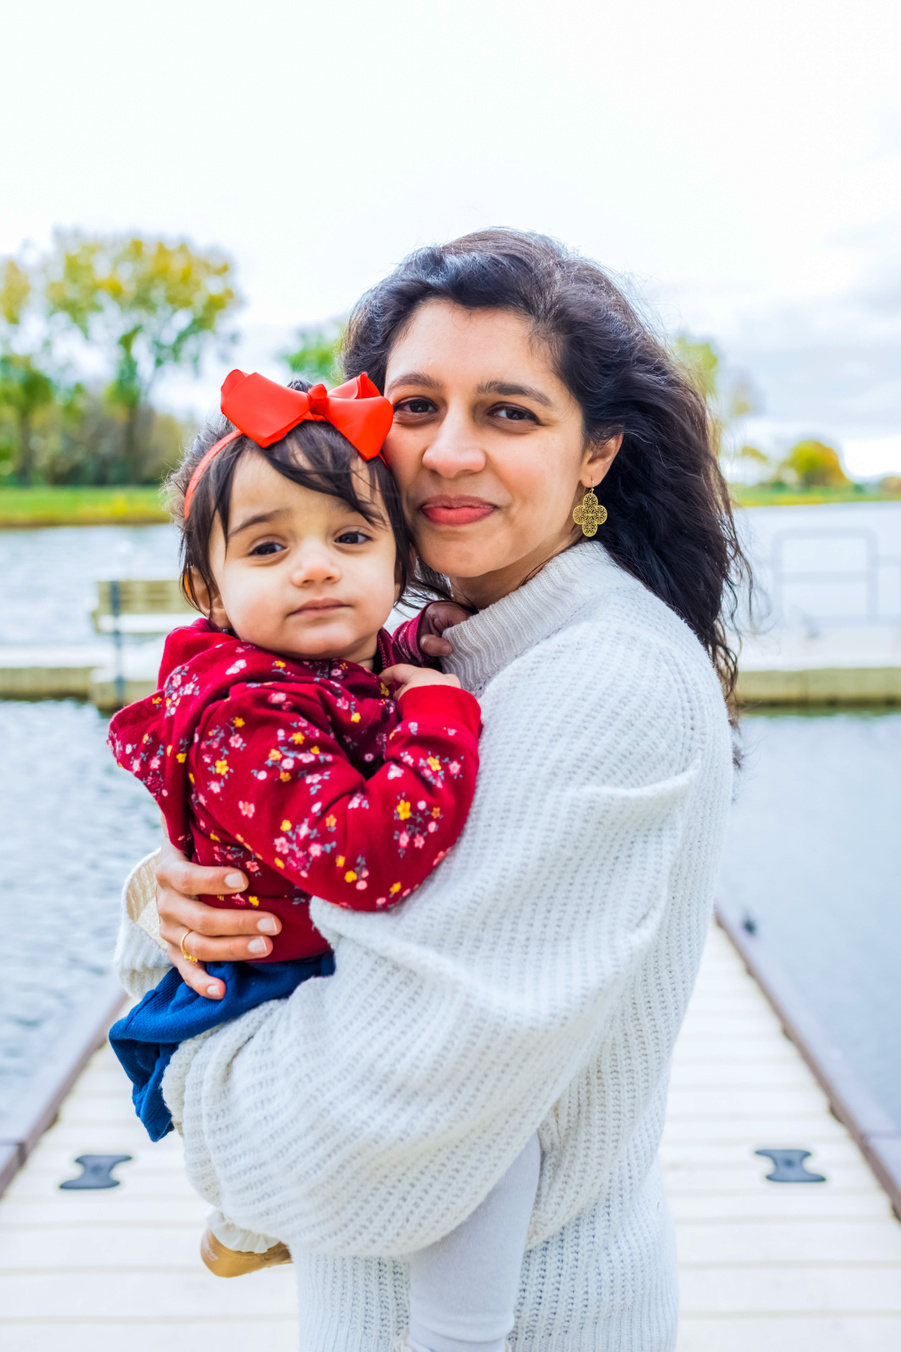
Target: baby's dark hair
(313, 454)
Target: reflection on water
(73, 824)
(813, 858)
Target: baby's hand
(438, 616)
(407, 677)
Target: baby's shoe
(225, 1262)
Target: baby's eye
(353, 537)
(267, 547)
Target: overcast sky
(739, 162)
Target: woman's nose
(454, 449)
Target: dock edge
(855, 1106)
(36, 1107)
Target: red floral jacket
(307, 776)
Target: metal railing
(869, 577)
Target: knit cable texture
(537, 979)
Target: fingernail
(258, 946)
(267, 925)
(212, 990)
(235, 880)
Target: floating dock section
(854, 665)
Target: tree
(25, 387)
(147, 304)
(317, 356)
(814, 465)
(701, 362)
(727, 401)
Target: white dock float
(88, 671)
(854, 665)
(790, 1267)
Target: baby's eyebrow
(257, 520)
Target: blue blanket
(147, 1037)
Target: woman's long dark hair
(670, 519)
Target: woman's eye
(418, 405)
(512, 413)
(267, 547)
(353, 537)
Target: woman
(539, 978)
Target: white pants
(463, 1287)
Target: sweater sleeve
(371, 1112)
(140, 960)
(406, 641)
(276, 777)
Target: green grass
(128, 505)
(139, 505)
(765, 496)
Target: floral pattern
(307, 776)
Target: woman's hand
(408, 677)
(210, 935)
(438, 616)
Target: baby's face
(302, 574)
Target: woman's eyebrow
(415, 378)
(510, 389)
(505, 388)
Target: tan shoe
(225, 1262)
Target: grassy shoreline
(763, 496)
(129, 505)
(139, 505)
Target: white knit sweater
(538, 979)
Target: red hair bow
(265, 411)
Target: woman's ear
(208, 601)
(598, 459)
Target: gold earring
(589, 514)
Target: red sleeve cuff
(446, 702)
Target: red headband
(266, 412)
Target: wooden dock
(89, 671)
(785, 1267)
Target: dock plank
(809, 1333)
(763, 1264)
(63, 1294)
(245, 1334)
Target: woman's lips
(448, 511)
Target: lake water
(49, 577)
(812, 853)
(812, 858)
(72, 824)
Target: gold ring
(184, 952)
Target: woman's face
(487, 446)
